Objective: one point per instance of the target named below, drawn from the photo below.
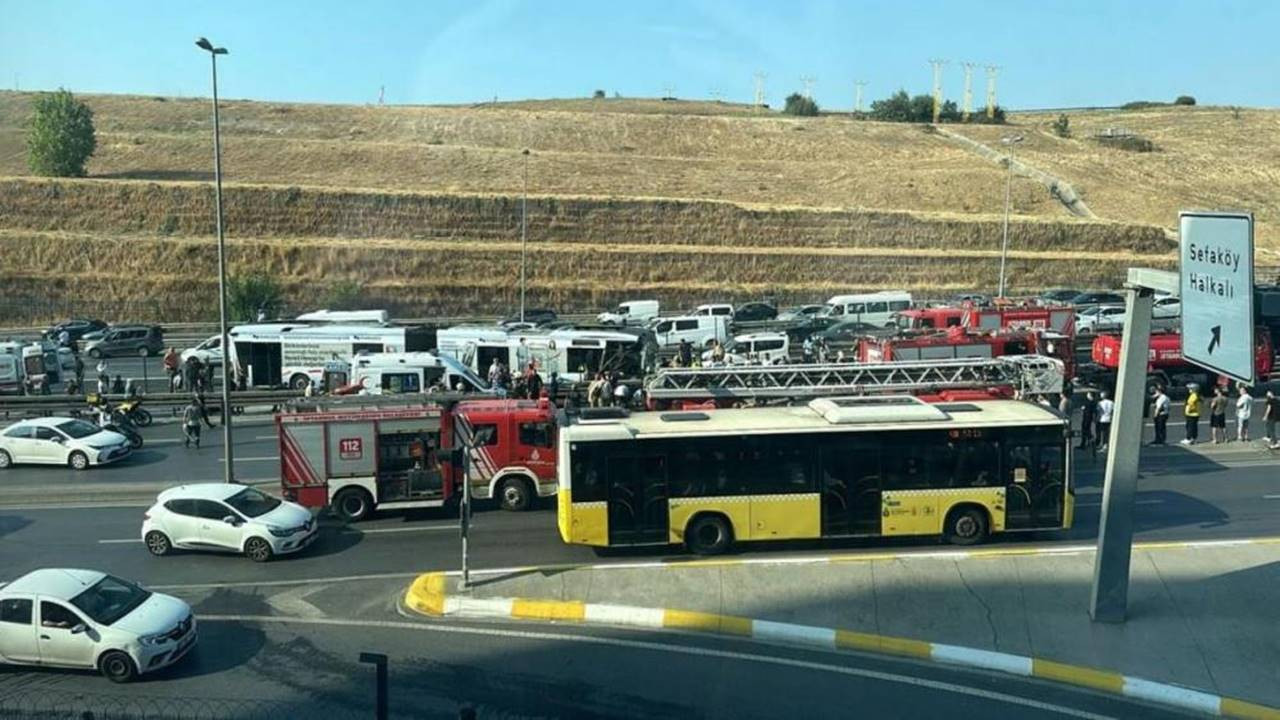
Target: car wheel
(78, 460)
(117, 666)
(95, 353)
(966, 526)
(5, 460)
(515, 494)
(352, 504)
(158, 543)
(257, 549)
(708, 535)
(299, 381)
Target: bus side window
(964, 463)
(588, 474)
(901, 462)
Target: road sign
(1216, 278)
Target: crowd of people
(1097, 410)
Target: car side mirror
(231, 520)
(78, 628)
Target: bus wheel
(515, 494)
(352, 504)
(966, 526)
(708, 535)
(299, 381)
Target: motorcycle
(113, 419)
(134, 412)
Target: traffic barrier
(40, 405)
(429, 595)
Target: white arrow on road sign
(1217, 292)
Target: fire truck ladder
(1029, 374)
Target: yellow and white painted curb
(429, 595)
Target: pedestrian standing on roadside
(532, 382)
(191, 423)
(1088, 411)
(104, 379)
(1270, 416)
(79, 371)
(206, 383)
(685, 352)
(1218, 416)
(1160, 415)
(1106, 407)
(806, 349)
(1244, 411)
(171, 364)
(1064, 404)
(553, 386)
(1192, 414)
(64, 339)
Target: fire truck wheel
(515, 494)
(352, 504)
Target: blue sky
(1053, 53)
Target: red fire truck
(1057, 318)
(961, 342)
(1165, 365)
(361, 455)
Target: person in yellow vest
(1192, 413)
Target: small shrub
(1184, 100)
(798, 104)
(1141, 105)
(345, 295)
(169, 225)
(247, 294)
(1062, 126)
(598, 94)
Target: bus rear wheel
(708, 535)
(352, 504)
(966, 526)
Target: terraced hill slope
(684, 201)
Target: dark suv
(144, 340)
(75, 329)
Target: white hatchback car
(227, 517)
(89, 619)
(61, 441)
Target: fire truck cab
(371, 457)
(1055, 318)
(959, 342)
(1165, 364)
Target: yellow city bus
(838, 467)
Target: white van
(872, 308)
(411, 372)
(765, 348)
(698, 330)
(714, 309)
(632, 312)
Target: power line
(992, 71)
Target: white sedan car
(88, 619)
(1100, 319)
(61, 441)
(208, 352)
(226, 517)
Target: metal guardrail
(41, 405)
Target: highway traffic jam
(868, 415)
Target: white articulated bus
(574, 355)
(295, 354)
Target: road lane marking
(265, 437)
(264, 458)
(119, 540)
(879, 675)
(276, 583)
(428, 528)
(1271, 497)
(294, 602)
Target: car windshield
(77, 429)
(110, 599)
(734, 346)
(252, 503)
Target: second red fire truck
(361, 456)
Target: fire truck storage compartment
(408, 462)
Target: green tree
(598, 94)
(1185, 100)
(247, 294)
(1062, 126)
(922, 109)
(61, 138)
(895, 108)
(950, 112)
(798, 104)
(345, 295)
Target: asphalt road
(287, 634)
(253, 661)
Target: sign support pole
(1110, 594)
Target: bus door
(486, 354)
(262, 361)
(850, 486)
(638, 499)
(1033, 465)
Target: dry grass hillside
(683, 200)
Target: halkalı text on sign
(1212, 285)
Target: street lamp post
(1009, 141)
(524, 240)
(228, 472)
